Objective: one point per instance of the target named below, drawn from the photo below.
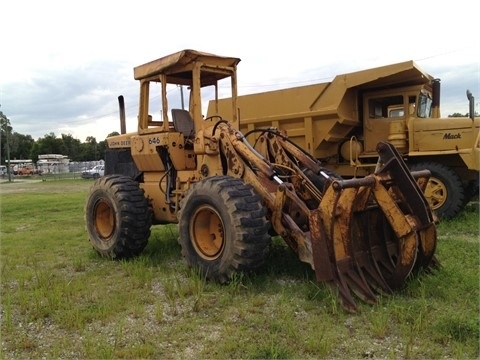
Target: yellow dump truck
(341, 122)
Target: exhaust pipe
(471, 104)
(436, 98)
(121, 104)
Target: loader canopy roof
(178, 67)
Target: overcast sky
(64, 63)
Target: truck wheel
(222, 228)
(117, 217)
(444, 192)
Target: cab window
(386, 107)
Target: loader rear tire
(444, 192)
(222, 228)
(117, 217)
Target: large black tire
(118, 217)
(222, 228)
(445, 191)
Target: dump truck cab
(386, 115)
(406, 117)
(409, 118)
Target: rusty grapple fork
(376, 231)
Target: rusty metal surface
(373, 231)
(362, 236)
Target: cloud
(63, 72)
(60, 100)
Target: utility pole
(9, 172)
(4, 125)
(181, 96)
(1, 122)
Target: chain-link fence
(70, 170)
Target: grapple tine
(323, 259)
(366, 247)
(379, 250)
(402, 245)
(324, 262)
(428, 244)
(361, 232)
(356, 281)
(345, 245)
(348, 303)
(428, 236)
(336, 209)
(395, 261)
(407, 253)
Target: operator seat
(183, 122)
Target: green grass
(59, 299)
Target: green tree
(102, 146)
(90, 149)
(35, 151)
(5, 132)
(72, 147)
(462, 115)
(49, 144)
(21, 146)
(25, 147)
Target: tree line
(22, 146)
(25, 147)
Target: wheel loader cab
(175, 145)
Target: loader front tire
(444, 192)
(117, 217)
(222, 228)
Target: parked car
(26, 170)
(94, 173)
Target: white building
(53, 163)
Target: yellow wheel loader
(364, 236)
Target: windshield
(424, 106)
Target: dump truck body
(364, 237)
(340, 123)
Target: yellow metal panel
(181, 158)
(145, 154)
(430, 135)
